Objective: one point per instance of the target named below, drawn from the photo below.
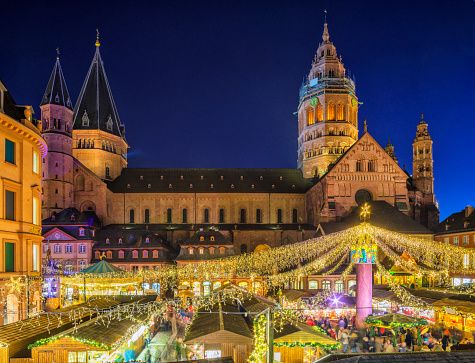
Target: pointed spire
(422, 121)
(365, 126)
(326, 34)
(56, 90)
(95, 108)
(98, 42)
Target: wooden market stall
(218, 334)
(297, 343)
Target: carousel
(99, 279)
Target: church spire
(95, 108)
(56, 91)
(326, 34)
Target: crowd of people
(380, 339)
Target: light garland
(260, 345)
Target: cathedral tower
(327, 111)
(422, 164)
(98, 134)
(57, 117)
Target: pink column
(364, 293)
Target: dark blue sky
(215, 84)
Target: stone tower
(98, 134)
(57, 118)
(327, 111)
(422, 164)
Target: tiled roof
(165, 180)
(95, 108)
(382, 215)
(56, 91)
(207, 237)
(72, 216)
(10, 107)
(458, 222)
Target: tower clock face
(314, 101)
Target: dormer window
(120, 241)
(161, 177)
(72, 218)
(202, 238)
(191, 186)
(252, 186)
(202, 177)
(212, 186)
(109, 123)
(242, 178)
(181, 177)
(128, 186)
(141, 177)
(147, 240)
(261, 178)
(149, 186)
(222, 177)
(466, 224)
(280, 178)
(81, 232)
(170, 186)
(232, 186)
(85, 119)
(273, 186)
(212, 238)
(107, 241)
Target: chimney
(468, 211)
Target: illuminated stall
(100, 279)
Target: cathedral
(95, 206)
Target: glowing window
(313, 285)
(326, 285)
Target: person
(354, 346)
(365, 345)
(445, 340)
(346, 322)
(341, 323)
(402, 347)
(372, 345)
(344, 338)
(388, 347)
(408, 339)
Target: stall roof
(301, 333)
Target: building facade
(21, 151)
(337, 171)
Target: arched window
(331, 112)
(190, 251)
(147, 239)
(206, 215)
(132, 216)
(340, 112)
(121, 254)
(201, 251)
(120, 241)
(359, 165)
(319, 112)
(108, 172)
(310, 116)
(326, 285)
(109, 255)
(135, 254)
(242, 216)
(294, 216)
(147, 216)
(313, 284)
(80, 182)
(211, 250)
(144, 254)
(155, 254)
(244, 248)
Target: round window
(362, 196)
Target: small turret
(390, 150)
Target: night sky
(215, 84)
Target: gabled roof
(463, 221)
(56, 91)
(363, 137)
(219, 180)
(95, 108)
(10, 107)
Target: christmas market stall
(220, 332)
(99, 340)
(17, 337)
(297, 342)
(99, 279)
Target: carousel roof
(101, 267)
(303, 334)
